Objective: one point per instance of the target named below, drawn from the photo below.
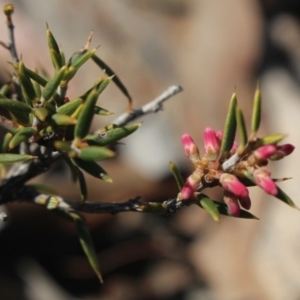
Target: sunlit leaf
(256, 113)
(230, 126)
(95, 153)
(70, 107)
(52, 84)
(21, 136)
(108, 136)
(241, 127)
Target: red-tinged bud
(245, 202)
(211, 144)
(282, 151)
(232, 204)
(264, 152)
(233, 185)
(262, 179)
(287, 149)
(190, 186)
(190, 148)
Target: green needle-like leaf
(14, 105)
(95, 153)
(86, 115)
(79, 58)
(108, 136)
(36, 77)
(70, 107)
(76, 61)
(241, 126)
(10, 158)
(87, 243)
(115, 79)
(82, 184)
(176, 173)
(270, 139)
(53, 84)
(6, 139)
(54, 50)
(256, 113)
(230, 126)
(26, 85)
(210, 206)
(41, 113)
(37, 89)
(63, 120)
(92, 168)
(85, 118)
(21, 136)
(101, 111)
(285, 198)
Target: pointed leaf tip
(230, 125)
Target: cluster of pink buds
(234, 170)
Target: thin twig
(58, 203)
(11, 44)
(151, 107)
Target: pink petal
(190, 148)
(211, 144)
(232, 204)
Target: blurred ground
(210, 49)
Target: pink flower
(262, 179)
(233, 185)
(190, 148)
(211, 144)
(191, 185)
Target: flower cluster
(246, 168)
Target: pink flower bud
(245, 202)
(232, 204)
(190, 148)
(233, 185)
(219, 135)
(190, 185)
(234, 147)
(262, 179)
(211, 144)
(264, 152)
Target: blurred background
(210, 48)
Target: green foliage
(43, 115)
